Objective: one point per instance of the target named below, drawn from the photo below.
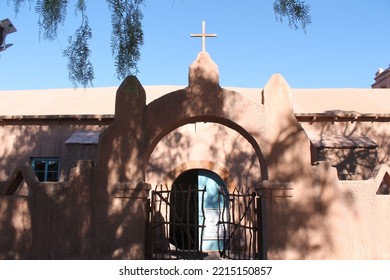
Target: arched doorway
(199, 202)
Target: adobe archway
(126, 146)
(204, 101)
(206, 145)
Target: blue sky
(344, 46)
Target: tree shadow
(356, 148)
(52, 221)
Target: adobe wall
(199, 143)
(22, 139)
(293, 219)
(320, 217)
(52, 222)
(355, 216)
(306, 207)
(377, 131)
(362, 221)
(120, 193)
(15, 228)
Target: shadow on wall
(19, 143)
(15, 225)
(210, 142)
(205, 101)
(288, 153)
(52, 222)
(243, 161)
(358, 150)
(298, 225)
(23, 139)
(291, 221)
(119, 193)
(351, 163)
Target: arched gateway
(203, 127)
(200, 199)
(202, 147)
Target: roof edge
(56, 117)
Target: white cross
(203, 35)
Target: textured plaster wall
(75, 152)
(205, 142)
(376, 131)
(120, 194)
(351, 163)
(15, 228)
(358, 218)
(21, 141)
(52, 222)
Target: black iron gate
(176, 233)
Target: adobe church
(196, 172)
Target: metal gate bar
(242, 242)
(174, 229)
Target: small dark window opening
(46, 169)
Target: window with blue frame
(46, 169)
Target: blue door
(212, 201)
(199, 198)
